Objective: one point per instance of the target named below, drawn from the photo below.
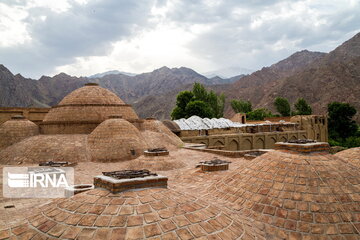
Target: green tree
(183, 98)
(340, 123)
(259, 114)
(282, 105)
(200, 109)
(212, 103)
(240, 106)
(200, 92)
(178, 113)
(302, 107)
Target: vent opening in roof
(125, 180)
(91, 84)
(18, 117)
(303, 146)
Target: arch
(243, 119)
(259, 144)
(283, 139)
(271, 142)
(304, 137)
(293, 137)
(218, 143)
(233, 145)
(246, 145)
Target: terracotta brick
(169, 236)
(135, 233)
(86, 233)
(184, 234)
(88, 220)
(152, 230)
(4, 234)
(73, 219)
(71, 233)
(57, 230)
(126, 210)
(181, 221)
(197, 230)
(102, 221)
(118, 221)
(135, 221)
(167, 225)
(102, 233)
(118, 234)
(145, 208)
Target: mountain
(319, 78)
(48, 91)
(228, 72)
(113, 72)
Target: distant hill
(17, 91)
(113, 72)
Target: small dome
(296, 194)
(351, 156)
(91, 94)
(152, 126)
(44, 148)
(144, 214)
(15, 130)
(115, 139)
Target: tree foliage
(199, 108)
(282, 105)
(259, 114)
(340, 123)
(302, 107)
(241, 106)
(198, 102)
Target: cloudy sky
(84, 37)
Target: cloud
(87, 36)
(60, 35)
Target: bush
(240, 106)
(302, 107)
(259, 114)
(282, 105)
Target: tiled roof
(296, 195)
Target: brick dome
(43, 148)
(144, 214)
(15, 130)
(296, 195)
(157, 134)
(351, 156)
(114, 140)
(83, 109)
(91, 94)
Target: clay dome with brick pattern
(115, 139)
(296, 193)
(83, 109)
(15, 130)
(144, 214)
(351, 156)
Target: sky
(84, 37)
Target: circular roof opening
(91, 84)
(18, 117)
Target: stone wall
(246, 141)
(35, 115)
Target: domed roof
(296, 194)
(91, 94)
(43, 148)
(351, 156)
(88, 104)
(144, 214)
(156, 133)
(15, 130)
(115, 139)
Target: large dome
(143, 214)
(91, 94)
(114, 140)
(351, 156)
(296, 194)
(15, 130)
(43, 148)
(83, 109)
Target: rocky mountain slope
(319, 78)
(17, 91)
